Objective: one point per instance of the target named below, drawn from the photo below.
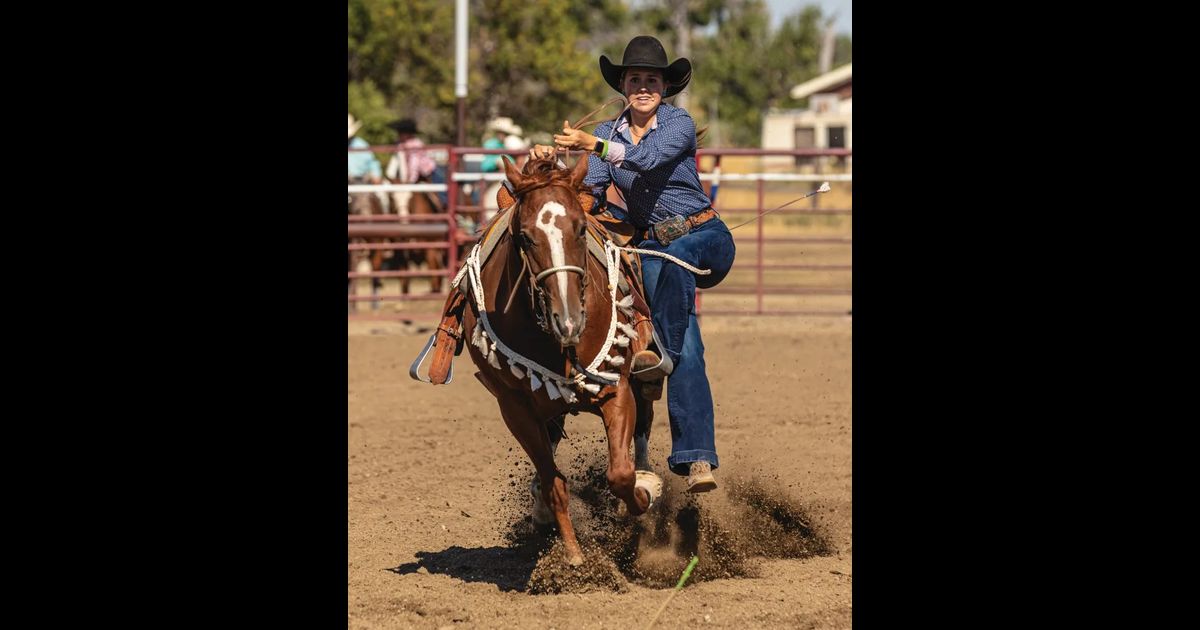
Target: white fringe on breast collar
(486, 340)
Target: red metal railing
(411, 226)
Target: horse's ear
(512, 173)
(581, 170)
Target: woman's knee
(718, 259)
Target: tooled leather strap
(702, 217)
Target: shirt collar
(623, 125)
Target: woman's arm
(597, 180)
(669, 140)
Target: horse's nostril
(564, 326)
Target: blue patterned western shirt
(658, 175)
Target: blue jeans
(671, 291)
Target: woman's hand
(540, 151)
(574, 138)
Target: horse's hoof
(651, 483)
(575, 560)
(624, 512)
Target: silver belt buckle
(670, 229)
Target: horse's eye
(524, 240)
(582, 229)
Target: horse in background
(434, 259)
(406, 203)
(363, 260)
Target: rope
(587, 120)
(824, 188)
(704, 272)
(700, 272)
(472, 269)
(612, 257)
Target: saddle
(448, 341)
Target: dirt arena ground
(438, 497)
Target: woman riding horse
(649, 153)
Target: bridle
(539, 297)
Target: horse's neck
(397, 168)
(422, 203)
(509, 273)
(518, 327)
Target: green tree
(841, 51)
(404, 51)
(793, 56)
(730, 75)
(743, 68)
(530, 64)
(535, 60)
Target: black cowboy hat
(407, 125)
(644, 51)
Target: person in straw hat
(502, 133)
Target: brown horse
(421, 203)
(414, 203)
(542, 307)
(364, 204)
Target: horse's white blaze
(558, 256)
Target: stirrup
(664, 367)
(654, 372)
(414, 369)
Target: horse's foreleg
(534, 438)
(641, 431)
(645, 394)
(619, 414)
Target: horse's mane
(542, 166)
(542, 172)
